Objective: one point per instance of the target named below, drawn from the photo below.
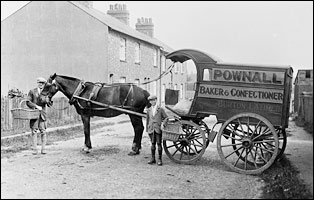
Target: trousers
(38, 125)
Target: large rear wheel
(248, 143)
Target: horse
(83, 96)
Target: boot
(152, 160)
(159, 158)
(34, 145)
(43, 143)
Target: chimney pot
(145, 25)
(119, 12)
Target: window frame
(155, 53)
(137, 53)
(122, 49)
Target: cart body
(251, 102)
(226, 89)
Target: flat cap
(152, 97)
(41, 80)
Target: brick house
(74, 39)
(302, 83)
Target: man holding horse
(36, 101)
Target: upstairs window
(155, 58)
(181, 91)
(182, 68)
(163, 63)
(137, 53)
(176, 67)
(122, 49)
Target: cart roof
(196, 55)
(200, 57)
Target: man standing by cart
(36, 101)
(155, 116)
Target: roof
(119, 26)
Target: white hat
(41, 80)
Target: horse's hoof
(133, 153)
(86, 150)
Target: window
(206, 76)
(307, 74)
(137, 82)
(181, 91)
(163, 63)
(154, 87)
(110, 78)
(155, 58)
(175, 86)
(176, 66)
(122, 49)
(137, 53)
(182, 68)
(163, 92)
(147, 85)
(122, 79)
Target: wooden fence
(60, 113)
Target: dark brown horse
(121, 95)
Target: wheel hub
(247, 143)
(184, 142)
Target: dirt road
(108, 172)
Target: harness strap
(79, 89)
(126, 98)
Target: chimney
(88, 4)
(146, 26)
(119, 12)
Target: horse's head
(50, 89)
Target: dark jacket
(34, 97)
(153, 123)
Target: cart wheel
(206, 130)
(190, 146)
(248, 143)
(282, 138)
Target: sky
(269, 32)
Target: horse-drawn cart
(251, 104)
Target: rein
(161, 75)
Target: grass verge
(282, 182)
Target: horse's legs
(86, 123)
(138, 127)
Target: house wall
(43, 38)
(49, 37)
(142, 71)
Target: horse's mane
(97, 83)
(68, 77)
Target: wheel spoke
(228, 145)
(234, 151)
